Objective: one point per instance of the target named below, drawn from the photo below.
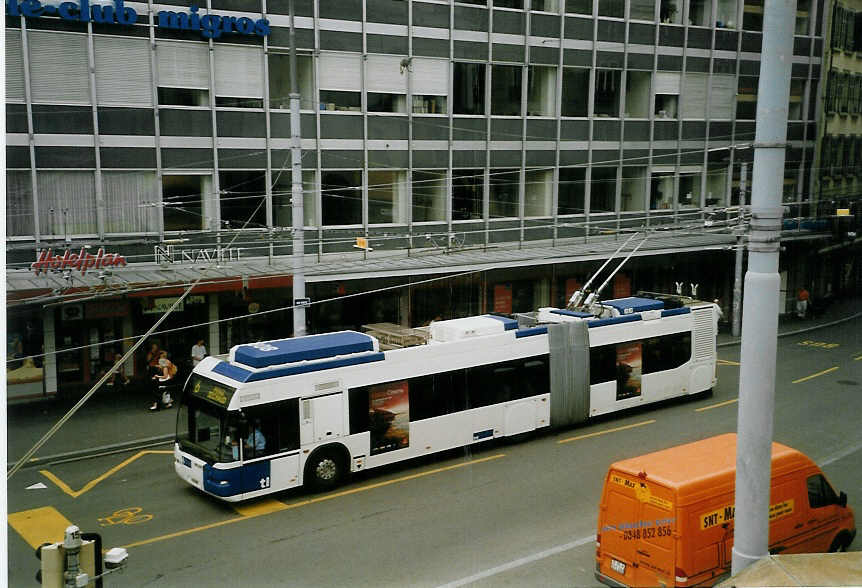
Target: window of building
(612, 8)
(700, 12)
(67, 203)
(725, 14)
(572, 186)
(19, 204)
(666, 105)
(332, 100)
(579, 6)
(803, 9)
(282, 187)
(670, 11)
(130, 199)
(516, 4)
(746, 98)
(506, 90)
(468, 86)
(279, 81)
(689, 190)
(242, 199)
(752, 15)
(340, 82)
(467, 194)
(607, 92)
(238, 76)
(603, 189)
(538, 192)
(380, 102)
(429, 195)
(576, 91)
(183, 198)
(642, 10)
(661, 191)
(504, 188)
(541, 91)
(637, 94)
(387, 196)
(820, 492)
(341, 197)
(429, 104)
(183, 97)
(797, 88)
(716, 184)
(544, 5)
(633, 194)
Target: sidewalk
(115, 419)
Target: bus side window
(535, 377)
(603, 364)
(359, 401)
(272, 429)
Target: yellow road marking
(806, 378)
(292, 505)
(727, 362)
(89, 485)
(725, 403)
(597, 433)
(39, 525)
(260, 507)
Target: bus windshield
(204, 428)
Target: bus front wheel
(324, 469)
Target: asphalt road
(519, 514)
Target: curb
(799, 331)
(96, 451)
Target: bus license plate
(619, 567)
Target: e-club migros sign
(211, 26)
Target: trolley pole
(298, 242)
(740, 243)
(760, 307)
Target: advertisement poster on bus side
(629, 368)
(389, 417)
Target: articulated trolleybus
(310, 410)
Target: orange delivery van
(666, 518)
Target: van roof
(689, 466)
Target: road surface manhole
(848, 382)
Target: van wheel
(840, 543)
(324, 470)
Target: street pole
(740, 243)
(760, 307)
(298, 244)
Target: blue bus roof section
(573, 313)
(634, 304)
(240, 374)
(508, 323)
(285, 351)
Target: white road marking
(841, 454)
(519, 562)
(37, 486)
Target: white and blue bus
(310, 410)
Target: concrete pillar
(404, 307)
(49, 341)
(213, 343)
(128, 368)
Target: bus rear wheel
(324, 470)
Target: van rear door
(636, 532)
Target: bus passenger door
(322, 418)
(271, 447)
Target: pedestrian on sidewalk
(163, 382)
(199, 352)
(802, 301)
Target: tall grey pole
(737, 274)
(760, 307)
(298, 254)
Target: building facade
(160, 133)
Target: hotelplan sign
(210, 26)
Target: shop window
(504, 187)
(381, 102)
(282, 188)
(666, 105)
(506, 90)
(467, 194)
(183, 97)
(538, 192)
(541, 91)
(746, 98)
(279, 81)
(670, 11)
(331, 100)
(468, 85)
(183, 198)
(752, 15)
(661, 191)
(572, 185)
(429, 104)
(387, 196)
(576, 90)
(633, 194)
(429, 195)
(689, 190)
(603, 189)
(242, 199)
(637, 94)
(579, 6)
(612, 8)
(607, 93)
(700, 12)
(19, 204)
(642, 10)
(725, 14)
(341, 197)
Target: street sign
(302, 302)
